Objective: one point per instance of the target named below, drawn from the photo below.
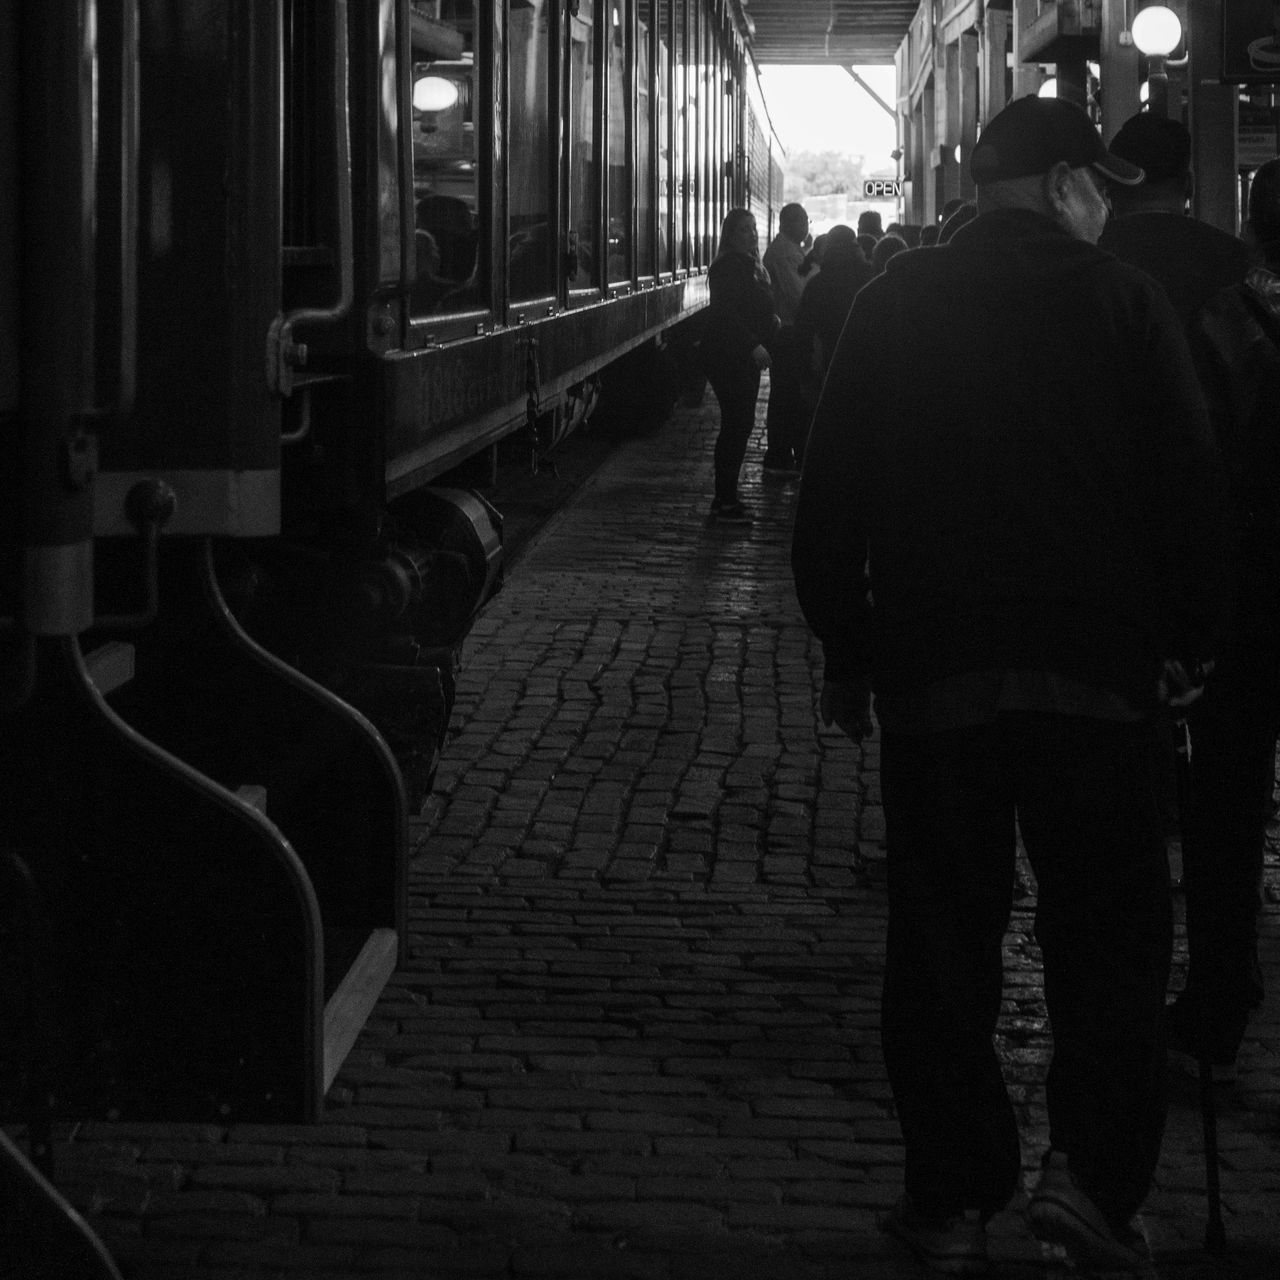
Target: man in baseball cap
(1032, 134)
(1151, 228)
(1045, 153)
(1009, 532)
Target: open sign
(881, 189)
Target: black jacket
(1190, 258)
(740, 315)
(1012, 456)
(825, 303)
(1236, 341)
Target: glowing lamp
(434, 93)
(1156, 31)
(1049, 89)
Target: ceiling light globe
(1156, 31)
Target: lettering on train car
(458, 389)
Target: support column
(992, 71)
(968, 122)
(1026, 79)
(916, 153)
(927, 204)
(1073, 81)
(1119, 64)
(949, 125)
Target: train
(277, 278)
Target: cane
(1215, 1235)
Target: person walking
(740, 324)
(824, 308)
(1234, 727)
(1151, 227)
(784, 419)
(888, 247)
(948, 208)
(1020, 555)
(961, 214)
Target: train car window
(757, 158)
(582, 268)
(446, 169)
(697, 136)
(8, 223)
(705, 125)
(618, 194)
(309, 235)
(716, 89)
(680, 104)
(724, 152)
(532, 240)
(733, 127)
(645, 112)
(715, 135)
(665, 186)
(710, 125)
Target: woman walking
(740, 324)
(824, 307)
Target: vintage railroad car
(270, 272)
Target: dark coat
(740, 315)
(1203, 270)
(1190, 258)
(1236, 342)
(1012, 440)
(825, 304)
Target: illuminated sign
(881, 189)
(1251, 42)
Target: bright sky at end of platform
(822, 108)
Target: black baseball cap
(1033, 134)
(1160, 147)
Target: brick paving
(637, 1033)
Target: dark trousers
(1233, 747)
(1081, 793)
(786, 421)
(737, 390)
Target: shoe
(955, 1246)
(730, 513)
(1182, 1037)
(1060, 1213)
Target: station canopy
(844, 32)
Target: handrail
(284, 353)
(80, 1245)
(122, 325)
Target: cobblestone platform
(637, 1034)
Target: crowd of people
(1038, 567)
(812, 282)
